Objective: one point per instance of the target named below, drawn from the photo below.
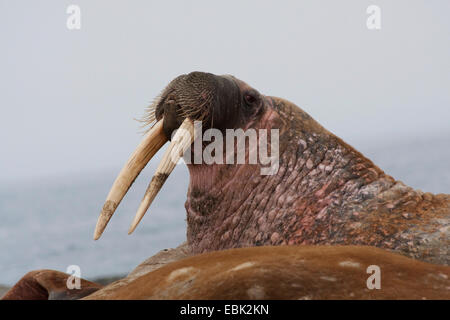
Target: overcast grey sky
(68, 98)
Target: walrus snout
(199, 96)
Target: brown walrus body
(283, 272)
(289, 272)
(324, 191)
(49, 285)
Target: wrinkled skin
(325, 192)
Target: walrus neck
(234, 205)
(325, 192)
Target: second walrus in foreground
(324, 191)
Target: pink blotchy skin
(325, 192)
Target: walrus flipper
(49, 285)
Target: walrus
(268, 272)
(49, 285)
(289, 272)
(323, 191)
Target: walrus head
(318, 193)
(217, 102)
(221, 102)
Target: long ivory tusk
(152, 142)
(181, 141)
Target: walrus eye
(250, 98)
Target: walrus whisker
(152, 142)
(147, 124)
(199, 113)
(149, 118)
(181, 141)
